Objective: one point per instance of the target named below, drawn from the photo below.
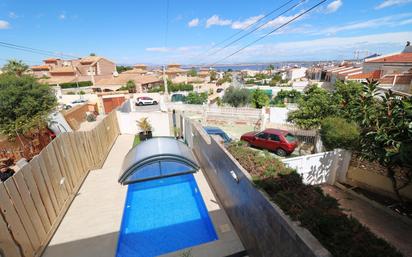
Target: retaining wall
(262, 226)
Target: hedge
(74, 84)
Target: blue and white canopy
(156, 158)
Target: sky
(192, 31)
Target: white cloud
(4, 24)
(387, 21)
(279, 21)
(390, 3)
(13, 15)
(215, 20)
(244, 24)
(334, 6)
(158, 49)
(62, 16)
(323, 48)
(193, 23)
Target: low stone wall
(262, 226)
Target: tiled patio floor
(91, 225)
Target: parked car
(219, 90)
(219, 132)
(78, 101)
(278, 141)
(144, 100)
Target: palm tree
(270, 68)
(14, 66)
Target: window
(262, 135)
(290, 138)
(274, 137)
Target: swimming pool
(162, 216)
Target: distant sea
(255, 66)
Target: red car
(279, 141)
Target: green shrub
(236, 96)
(259, 99)
(74, 84)
(260, 165)
(338, 133)
(196, 98)
(342, 235)
(82, 92)
(70, 93)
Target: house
(143, 82)
(393, 71)
(296, 73)
(175, 70)
(390, 63)
(342, 72)
(137, 69)
(89, 68)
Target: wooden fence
(34, 201)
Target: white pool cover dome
(156, 158)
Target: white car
(144, 100)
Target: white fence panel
(321, 167)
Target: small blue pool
(163, 215)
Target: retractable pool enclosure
(156, 158)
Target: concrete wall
(158, 120)
(279, 115)
(263, 228)
(67, 99)
(321, 167)
(374, 182)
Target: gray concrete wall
(263, 228)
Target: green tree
(92, 54)
(236, 96)
(386, 135)
(196, 98)
(291, 95)
(346, 97)
(121, 68)
(315, 105)
(24, 104)
(259, 99)
(16, 67)
(130, 86)
(338, 133)
(270, 68)
(192, 72)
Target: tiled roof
(122, 79)
(401, 79)
(90, 59)
(175, 70)
(40, 67)
(402, 57)
(376, 74)
(134, 71)
(68, 69)
(51, 60)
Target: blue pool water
(162, 216)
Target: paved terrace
(90, 227)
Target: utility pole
(165, 80)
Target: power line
(247, 27)
(260, 26)
(167, 23)
(271, 32)
(35, 50)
